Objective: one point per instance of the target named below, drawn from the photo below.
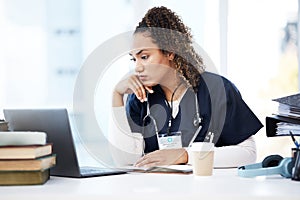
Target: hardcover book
(41, 163)
(24, 177)
(25, 152)
(22, 138)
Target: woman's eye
(144, 57)
(133, 59)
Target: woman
(172, 99)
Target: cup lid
(202, 146)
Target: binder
(271, 123)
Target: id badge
(171, 141)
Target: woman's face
(151, 65)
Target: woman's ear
(171, 56)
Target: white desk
(224, 184)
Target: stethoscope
(196, 121)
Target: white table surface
(224, 184)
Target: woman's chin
(149, 84)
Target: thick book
(41, 163)
(22, 138)
(25, 152)
(24, 177)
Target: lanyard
(171, 109)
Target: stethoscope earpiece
(197, 120)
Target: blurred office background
(44, 43)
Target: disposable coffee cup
(202, 158)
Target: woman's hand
(130, 85)
(163, 157)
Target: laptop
(55, 122)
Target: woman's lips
(142, 77)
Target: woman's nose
(139, 67)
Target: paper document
(185, 169)
(284, 128)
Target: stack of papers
(284, 128)
(288, 111)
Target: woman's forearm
(235, 155)
(117, 99)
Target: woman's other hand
(163, 157)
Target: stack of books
(287, 118)
(25, 158)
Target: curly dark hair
(167, 30)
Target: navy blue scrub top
(221, 108)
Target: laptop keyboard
(95, 171)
